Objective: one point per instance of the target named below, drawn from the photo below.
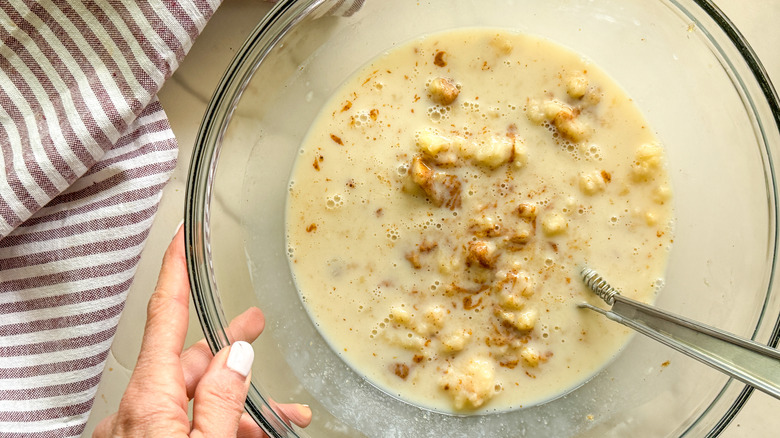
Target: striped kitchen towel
(86, 151)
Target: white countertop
(185, 97)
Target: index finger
(168, 309)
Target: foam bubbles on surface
(438, 113)
(592, 152)
(403, 169)
(470, 106)
(334, 201)
(393, 233)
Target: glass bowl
(699, 85)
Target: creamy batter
(443, 203)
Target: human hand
(165, 378)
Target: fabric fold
(86, 152)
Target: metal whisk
(745, 360)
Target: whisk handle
(748, 361)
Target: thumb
(220, 395)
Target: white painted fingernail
(240, 357)
(177, 228)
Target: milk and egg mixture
(443, 204)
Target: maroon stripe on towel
(170, 39)
(91, 272)
(70, 252)
(76, 93)
(156, 126)
(6, 213)
(12, 178)
(146, 46)
(62, 321)
(122, 46)
(123, 198)
(167, 144)
(115, 180)
(53, 433)
(77, 50)
(53, 101)
(102, 223)
(50, 390)
(183, 19)
(157, 56)
(74, 141)
(65, 299)
(46, 414)
(58, 345)
(53, 368)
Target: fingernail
(240, 358)
(303, 415)
(178, 227)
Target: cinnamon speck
(401, 370)
(438, 60)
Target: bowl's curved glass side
(762, 103)
(206, 208)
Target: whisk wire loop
(597, 284)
